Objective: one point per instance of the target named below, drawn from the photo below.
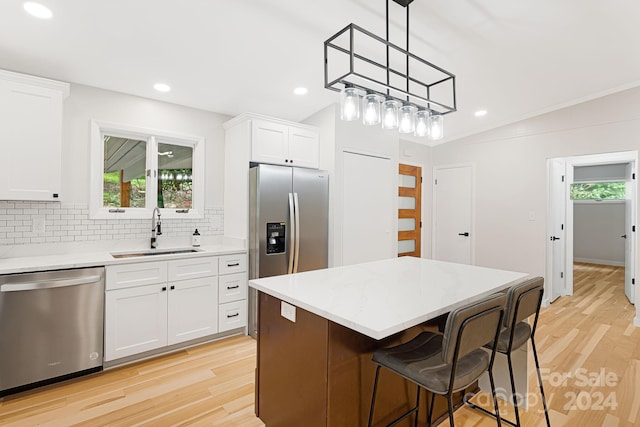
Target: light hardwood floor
(588, 336)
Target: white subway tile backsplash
(68, 222)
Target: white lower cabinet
(135, 320)
(150, 305)
(192, 309)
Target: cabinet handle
(233, 287)
(172, 287)
(164, 288)
(232, 315)
(233, 265)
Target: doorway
(562, 173)
(409, 210)
(453, 195)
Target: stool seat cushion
(520, 337)
(420, 360)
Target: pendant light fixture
(349, 104)
(390, 114)
(412, 103)
(407, 118)
(422, 123)
(436, 127)
(371, 109)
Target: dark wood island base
(314, 372)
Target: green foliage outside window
(598, 191)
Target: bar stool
(448, 362)
(523, 301)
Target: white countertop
(381, 298)
(26, 264)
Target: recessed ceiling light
(162, 87)
(481, 113)
(38, 10)
(300, 91)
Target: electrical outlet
(532, 215)
(37, 225)
(288, 311)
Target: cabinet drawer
(232, 287)
(131, 275)
(192, 268)
(232, 315)
(236, 263)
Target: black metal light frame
(422, 100)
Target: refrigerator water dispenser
(276, 236)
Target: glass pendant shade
(436, 127)
(422, 123)
(389, 114)
(349, 104)
(407, 116)
(371, 109)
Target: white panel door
(370, 208)
(556, 228)
(629, 243)
(453, 197)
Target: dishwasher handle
(34, 286)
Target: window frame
(153, 138)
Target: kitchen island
(318, 329)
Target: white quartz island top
(381, 298)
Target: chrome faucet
(156, 229)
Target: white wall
(597, 227)
(511, 174)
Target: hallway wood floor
(588, 336)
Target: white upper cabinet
(31, 137)
(286, 144)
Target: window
(598, 191)
(135, 169)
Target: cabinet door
(269, 142)
(31, 135)
(304, 145)
(135, 320)
(193, 309)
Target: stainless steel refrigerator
(288, 224)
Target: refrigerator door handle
(292, 233)
(297, 211)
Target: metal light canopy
(362, 61)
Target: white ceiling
(514, 58)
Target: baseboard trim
(599, 261)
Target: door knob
(554, 238)
(465, 234)
(624, 236)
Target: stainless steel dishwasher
(51, 326)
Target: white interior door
(453, 195)
(556, 228)
(369, 227)
(629, 243)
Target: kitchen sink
(151, 252)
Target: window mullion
(152, 173)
